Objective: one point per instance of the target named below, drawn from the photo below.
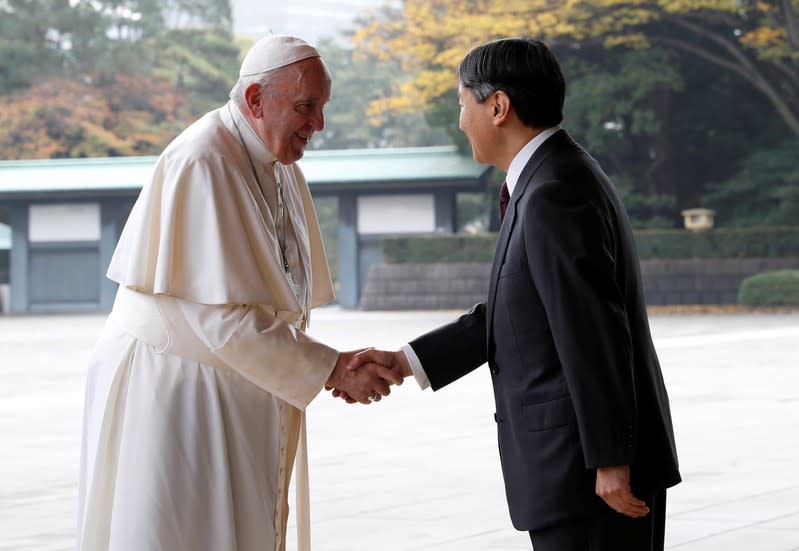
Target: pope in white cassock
(197, 387)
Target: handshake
(366, 376)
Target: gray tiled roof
(353, 167)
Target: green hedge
(778, 288)
(780, 242)
(777, 242)
(439, 248)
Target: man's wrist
(415, 365)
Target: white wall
(379, 214)
(64, 222)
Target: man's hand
(613, 485)
(357, 386)
(395, 361)
(372, 358)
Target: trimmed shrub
(777, 288)
(439, 248)
(777, 242)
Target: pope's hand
(371, 359)
(365, 385)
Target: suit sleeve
(571, 254)
(455, 349)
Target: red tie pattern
(504, 198)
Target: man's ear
(501, 107)
(252, 100)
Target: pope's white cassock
(196, 389)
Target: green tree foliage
(109, 77)
(757, 40)
(669, 95)
(202, 63)
(28, 48)
(764, 191)
(616, 107)
(356, 83)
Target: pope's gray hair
(266, 80)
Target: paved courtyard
(419, 471)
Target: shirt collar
(525, 154)
(259, 152)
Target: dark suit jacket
(577, 383)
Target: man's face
(291, 110)
(476, 122)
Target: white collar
(251, 140)
(525, 154)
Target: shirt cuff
(416, 366)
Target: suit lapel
(544, 151)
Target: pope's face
(291, 108)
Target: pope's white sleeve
(264, 349)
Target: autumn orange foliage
(125, 115)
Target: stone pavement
(419, 470)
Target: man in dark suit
(585, 432)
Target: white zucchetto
(273, 51)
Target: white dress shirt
(511, 179)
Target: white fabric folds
(197, 388)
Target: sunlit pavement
(420, 470)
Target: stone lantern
(698, 219)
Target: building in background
(66, 215)
(308, 19)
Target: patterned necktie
(504, 198)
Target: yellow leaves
(431, 36)
(614, 23)
(681, 6)
(769, 42)
(765, 7)
(431, 84)
(379, 109)
(636, 40)
(450, 57)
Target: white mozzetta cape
(196, 389)
(202, 231)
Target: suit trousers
(608, 531)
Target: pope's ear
(501, 107)
(252, 100)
